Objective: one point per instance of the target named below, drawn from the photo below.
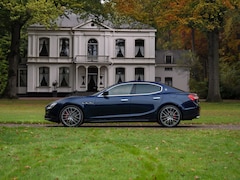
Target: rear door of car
(146, 99)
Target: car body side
(100, 108)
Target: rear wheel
(169, 116)
(71, 116)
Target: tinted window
(146, 88)
(121, 90)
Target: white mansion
(82, 56)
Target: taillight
(193, 97)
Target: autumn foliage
(206, 27)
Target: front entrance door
(92, 79)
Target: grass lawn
(32, 111)
(118, 153)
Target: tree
(229, 56)
(210, 17)
(4, 44)
(206, 16)
(3, 72)
(16, 15)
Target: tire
(71, 116)
(169, 116)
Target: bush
(199, 87)
(230, 80)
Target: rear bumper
(191, 114)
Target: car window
(146, 88)
(121, 90)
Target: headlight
(50, 106)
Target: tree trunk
(13, 57)
(213, 67)
(193, 39)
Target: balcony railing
(91, 59)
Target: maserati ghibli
(138, 101)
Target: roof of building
(71, 20)
(179, 56)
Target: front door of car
(113, 103)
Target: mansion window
(139, 48)
(169, 59)
(157, 79)
(139, 74)
(120, 48)
(168, 69)
(168, 81)
(44, 47)
(64, 47)
(64, 77)
(23, 78)
(44, 76)
(92, 47)
(120, 75)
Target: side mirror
(105, 93)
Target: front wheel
(71, 116)
(169, 116)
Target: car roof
(148, 82)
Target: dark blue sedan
(125, 102)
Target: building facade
(172, 68)
(82, 56)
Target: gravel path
(131, 125)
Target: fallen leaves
(27, 167)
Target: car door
(146, 99)
(113, 103)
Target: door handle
(124, 100)
(156, 98)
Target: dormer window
(120, 48)
(169, 59)
(139, 48)
(44, 47)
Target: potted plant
(54, 84)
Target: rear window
(146, 88)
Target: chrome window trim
(133, 83)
